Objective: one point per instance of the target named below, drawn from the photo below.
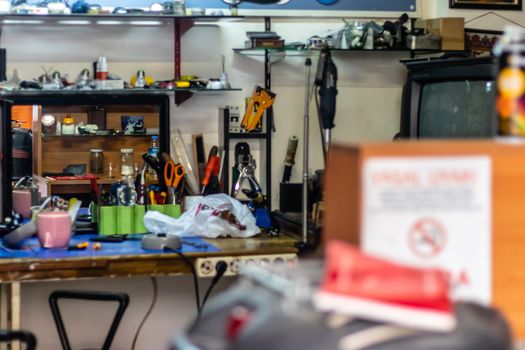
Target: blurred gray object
(424, 42)
(272, 311)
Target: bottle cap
(155, 137)
(126, 150)
(96, 150)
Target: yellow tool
(181, 84)
(260, 101)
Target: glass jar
(127, 167)
(68, 126)
(96, 161)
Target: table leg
(10, 311)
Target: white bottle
(59, 128)
(369, 43)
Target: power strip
(205, 267)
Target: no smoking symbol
(427, 238)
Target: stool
(25, 337)
(121, 298)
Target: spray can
(102, 68)
(511, 83)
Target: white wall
(368, 109)
(440, 8)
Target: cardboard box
(346, 203)
(450, 29)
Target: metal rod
(308, 64)
(327, 141)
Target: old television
(449, 98)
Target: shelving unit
(51, 153)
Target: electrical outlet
(205, 267)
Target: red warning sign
(427, 238)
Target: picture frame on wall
(515, 5)
(480, 42)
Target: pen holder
(54, 229)
(108, 220)
(123, 220)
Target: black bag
(22, 153)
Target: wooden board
(344, 206)
(19, 270)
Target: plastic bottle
(153, 149)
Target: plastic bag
(215, 216)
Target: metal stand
(308, 64)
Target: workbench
(15, 271)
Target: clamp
(246, 167)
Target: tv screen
(449, 98)
(457, 109)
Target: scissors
(173, 174)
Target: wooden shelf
(44, 137)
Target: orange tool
(173, 175)
(211, 172)
(260, 101)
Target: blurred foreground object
(273, 310)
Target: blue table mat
(31, 248)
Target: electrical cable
(220, 269)
(148, 313)
(195, 280)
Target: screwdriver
(212, 168)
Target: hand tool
(126, 195)
(260, 101)
(177, 144)
(78, 246)
(140, 185)
(173, 175)
(246, 169)
(199, 156)
(155, 164)
(211, 173)
(152, 198)
(289, 161)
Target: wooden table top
(34, 269)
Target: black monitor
(450, 98)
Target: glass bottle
(127, 162)
(96, 161)
(68, 126)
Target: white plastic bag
(205, 220)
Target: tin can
(511, 83)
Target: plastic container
(96, 161)
(68, 126)
(179, 7)
(127, 164)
